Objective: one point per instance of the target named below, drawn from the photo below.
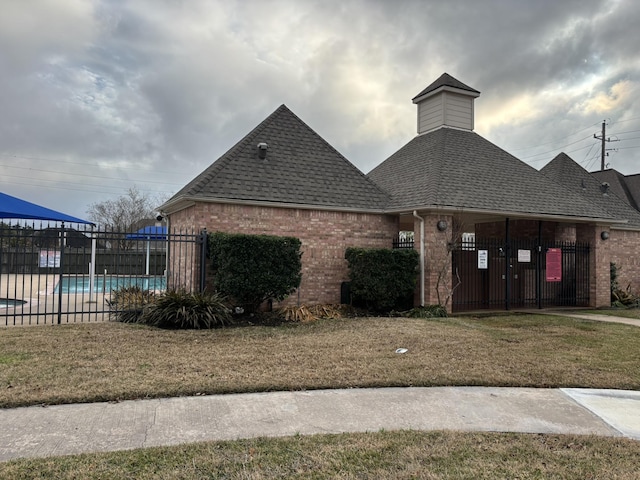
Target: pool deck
(46, 307)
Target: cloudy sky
(97, 96)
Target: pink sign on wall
(554, 265)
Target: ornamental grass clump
(127, 304)
(308, 313)
(428, 311)
(184, 310)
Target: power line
(83, 164)
(556, 149)
(82, 175)
(94, 188)
(554, 141)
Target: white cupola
(447, 102)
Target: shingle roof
(300, 168)
(446, 80)
(566, 172)
(621, 185)
(460, 169)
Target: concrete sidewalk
(99, 427)
(601, 318)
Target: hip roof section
(450, 168)
(300, 168)
(565, 171)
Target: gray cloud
(100, 95)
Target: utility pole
(603, 139)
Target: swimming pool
(80, 284)
(11, 302)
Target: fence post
(61, 272)
(203, 240)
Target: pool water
(11, 302)
(81, 284)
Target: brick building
(492, 231)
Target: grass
(114, 361)
(379, 455)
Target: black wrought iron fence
(54, 273)
(493, 274)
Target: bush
(382, 278)
(128, 303)
(179, 309)
(428, 311)
(251, 269)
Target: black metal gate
(52, 273)
(498, 274)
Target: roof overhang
(496, 214)
(482, 215)
(446, 88)
(183, 203)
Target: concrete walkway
(599, 317)
(100, 427)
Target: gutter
(415, 214)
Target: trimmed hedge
(382, 278)
(251, 269)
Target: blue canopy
(149, 233)
(13, 207)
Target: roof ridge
(445, 80)
(230, 154)
(353, 167)
(301, 168)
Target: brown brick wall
(625, 253)
(325, 235)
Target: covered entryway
(490, 273)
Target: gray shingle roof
(446, 80)
(565, 171)
(300, 168)
(460, 169)
(623, 186)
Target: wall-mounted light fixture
(441, 225)
(604, 235)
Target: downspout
(415, 214)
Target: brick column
(437, 259)
(599, 263)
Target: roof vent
(604, 188)
(262, 150)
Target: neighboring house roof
(300, 168)
(445, 80)
(566, 172)
(627, 187)
(458, 169)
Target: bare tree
(124, 213)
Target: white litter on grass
(402, 350)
